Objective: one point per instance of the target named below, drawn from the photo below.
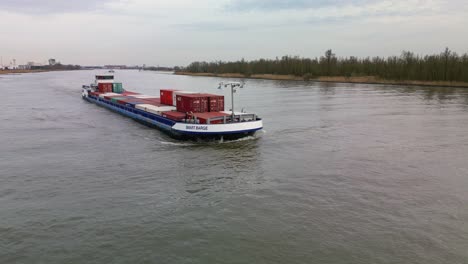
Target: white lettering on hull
(233, 127)
(197, 128)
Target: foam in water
(221, 141)
(180, 144)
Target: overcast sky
(177, 32)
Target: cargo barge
(181, 114)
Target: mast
(233, 86)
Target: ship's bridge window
(109, 77)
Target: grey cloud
(273, 5)
(41, 7)
(209, 26)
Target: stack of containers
(117, 88)
(196, 103)
(105, 87)
(215, 102)
(175, 93)
(158, 110)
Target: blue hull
(139, 115)
(162, 123)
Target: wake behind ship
(181, 114)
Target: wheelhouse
(104, 78)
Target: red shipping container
(126, 100)
(203, 117)
(101, 87)
(94, 94)
(215, 103)
(176, 116)
(166, 96)
(131, 101)
(153, 100)
(195, 103)
(105, 87)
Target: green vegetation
(447, 66)
(153, 68)
(57, 67)
(60, 66)
(46, 68)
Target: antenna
(234, 86)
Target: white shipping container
(109, 94)
(175, 93)
(158, 110)
(142, 96)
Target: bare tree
(329, 55)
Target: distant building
(31, 64)
(13, 65)
(52, 62)
(115, 66)
(24, 67)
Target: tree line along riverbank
(444, 69)
(46, 68)
(20, 71)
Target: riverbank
(33, 71)
(335, 79)
(20, 71)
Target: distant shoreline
(31, 71)
(331, 79)
(21, 71)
